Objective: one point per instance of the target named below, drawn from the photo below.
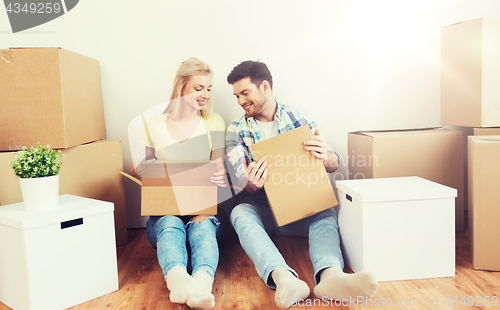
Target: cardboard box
(57, 259)
(397, 228)
(435, 154)
(177, 188)
(89, 170)
(470, 73)
(484, 202)
(486, 131)
(297, 185)
(49, 95)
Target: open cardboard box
(297, 185)
(177, 188)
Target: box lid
(394, 189)
(70, 207)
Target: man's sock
(205, 299)
(289, 289)
(336, 284)
(181, 285)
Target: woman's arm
(219, 178)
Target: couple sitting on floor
(189, 115)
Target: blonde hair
(190, 67)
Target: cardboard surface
(49, 95)
(89, 170)
(297, 185)
(435, 154)
(484, 201)
(486, 131)
(397, 228)
(177, 188)
(470, 73)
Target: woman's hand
(220, 178)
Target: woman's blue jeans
(171, 234)
(253, 222)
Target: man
(252, 219)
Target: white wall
(351, 64)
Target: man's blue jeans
(253, 222)
(170, 233)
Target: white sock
(289, 289)
(181, 285)
(338, 285)
(204, 299)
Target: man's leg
(326, 256)
(253, 223)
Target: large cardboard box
(89, 170)
(398, 228)
(49, 95)
(177, 188)
(57, 259)
(484, 201)
(435, 154)
(297, 185)
(486, 131)
(470, 73)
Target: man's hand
(255, 175)
(319, 148)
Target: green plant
(41, 161)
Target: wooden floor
(237, 285)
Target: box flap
(136, 180)
(297, 184)
(485, 139)
(394, 189)
(177, 173)
(70, 207)
(372, 133)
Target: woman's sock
(336, 284)
(204, 299)
(289, 289)
(181, 285)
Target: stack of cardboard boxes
(53, 96)
(470, 97)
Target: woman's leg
(202, 237)
(168, 235)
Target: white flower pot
(40, 194)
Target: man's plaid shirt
(244, 131)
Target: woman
(188, 130)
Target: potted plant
(38, 173)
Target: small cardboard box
(435, 154)
(57, 259)
(486, 131)
(484, 202)
(297, 185)
(470, 73)
(49, 95)
(88, 170)
(177, 188)
(398, 228)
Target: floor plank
(237, 285)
